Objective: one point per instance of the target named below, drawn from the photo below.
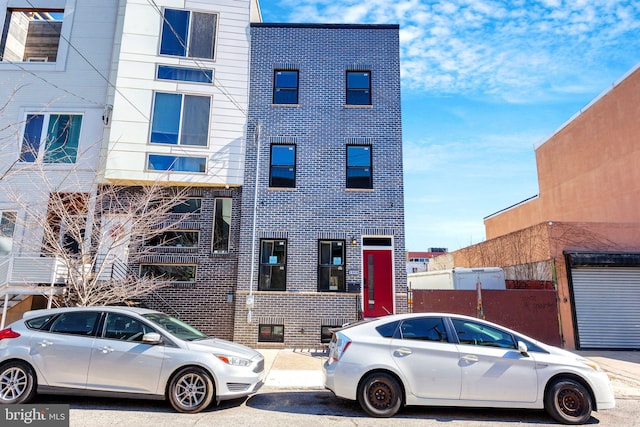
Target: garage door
(607, 304)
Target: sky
(484, 82)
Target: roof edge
(329, 26)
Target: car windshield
(175, 327)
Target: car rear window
(388, 329)
(38, 322)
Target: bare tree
(92, 230)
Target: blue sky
(483, 83)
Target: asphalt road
(293, 408)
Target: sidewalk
(293, 369)
(301, 369)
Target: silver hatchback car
(122, 352)
(444, 359)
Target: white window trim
(45, 126)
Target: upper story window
(285, 87)
(359, 173)
(188, 34)
(169, 272)
(31, 35)
(358, 88)
(221, 225)
(180, 119)
(184, 74)
(60, 133)
(159, 162)
(187, 206)
(175, 239)
(283, 166)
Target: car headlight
(590, 363)
(234, 360)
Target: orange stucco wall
(589, 171)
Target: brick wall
(320, 206)
(207, 304)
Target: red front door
(377, 288)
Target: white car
(122, 352)
(452, 360)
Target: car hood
(220, 346)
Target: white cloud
(502, 48)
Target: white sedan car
(451, 360)
(122, 352)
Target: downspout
(250, 300)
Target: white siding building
(127, 92)
(163, 87)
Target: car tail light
(342, 343)
(8, 333)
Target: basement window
(270, 333)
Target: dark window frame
(279, 181)
(281, 92)
(220, 236)
(356, 175)
(171, 238)
(271, 336)
(171, 276)
(189, 207)
(340, 286)
(354, 94)
(326, 333)
(265, 282)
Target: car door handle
(470, 358)
(402, 352)
(45, 343)
(106, 349)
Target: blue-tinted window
(359, 166)
(358, 88)
(158, 162)
(183, 74)
(168, 111)
(175, 30)
(31, 138)
(285, 87)
(61, 135)
(283, 166)
(190, 34)
(165, 125)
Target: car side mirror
(152, 338)
(522, 348)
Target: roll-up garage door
(607, 304)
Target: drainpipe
(250, 299)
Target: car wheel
(380, 395)
(191, 390)
(17, 382)
(568, 402)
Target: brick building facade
(322, 236)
